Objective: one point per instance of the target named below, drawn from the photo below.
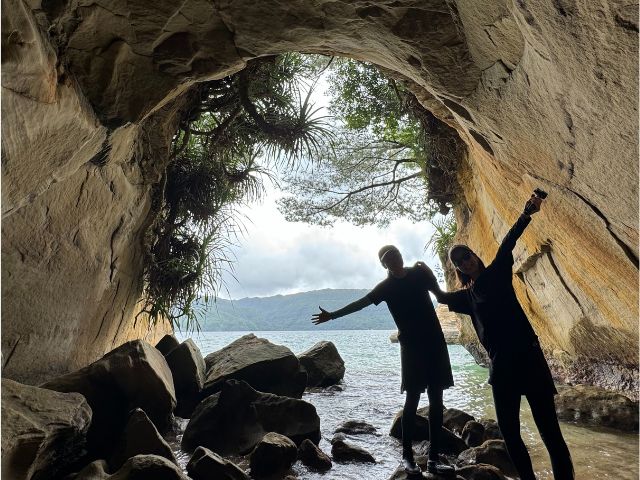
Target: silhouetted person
(424, 356)
(517, 365)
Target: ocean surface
(371, 392)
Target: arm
(325, 316)
(509, 242)
(457, 301)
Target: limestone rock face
(323, 364)
(42, 431)
(543, 94)
(263, 365)
(235, 419)
(133, 375)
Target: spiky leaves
(232, 124)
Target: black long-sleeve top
(498, 318)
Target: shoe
(439, 468)
(410, 466)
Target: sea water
(371, 392)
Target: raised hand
(321, 317)
(533, 205)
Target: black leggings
(435, 420)
(507, 404)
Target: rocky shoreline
(109, 419)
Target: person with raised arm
(517, 364)
(423, 352)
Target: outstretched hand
(321, 317)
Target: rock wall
(543, 94)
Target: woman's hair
(465, 280)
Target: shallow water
(371, 392)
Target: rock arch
(543, 93)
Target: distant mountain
(293, 312)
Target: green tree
(390, 157)
(229, 125)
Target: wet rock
(42, 431)
(492, 452)
(235, 419)
(356, 427)
(455, 419)
(342, 451)
(393, 338)
(473, 434)
(140, 437)
(323, 364)
(311, 456)
(491, 429)
(450, 443)
(134, 375)
(480, 472)
(589, 405)
(188, 369)
(420, 430)
(167, 343)
(265, 366)
(274, 454)
(338, 437)
(140, 467)
(206, 465)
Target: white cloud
(279, 257)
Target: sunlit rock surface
(543, 94)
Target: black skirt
(424, 366)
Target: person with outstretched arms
(424, 356)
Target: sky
(279, 257)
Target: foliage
(230, 123)
(442, 239)
(390, 157)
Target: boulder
(473, 434)
(274, 454)
(235, 419)
(356, 427)
(480, 472)
(133, 375)
(188, 369)
(449, 442)
(206, 465)
(590, 405)
(492, 452)
(323, 364)
(140, 467)
(341, 451)
(491, 429)
(420, 430)
(166, 344)
(42, 431)
(266, 367)
(140, 437)
(455, 419)
(311, 456)
(393, 338)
